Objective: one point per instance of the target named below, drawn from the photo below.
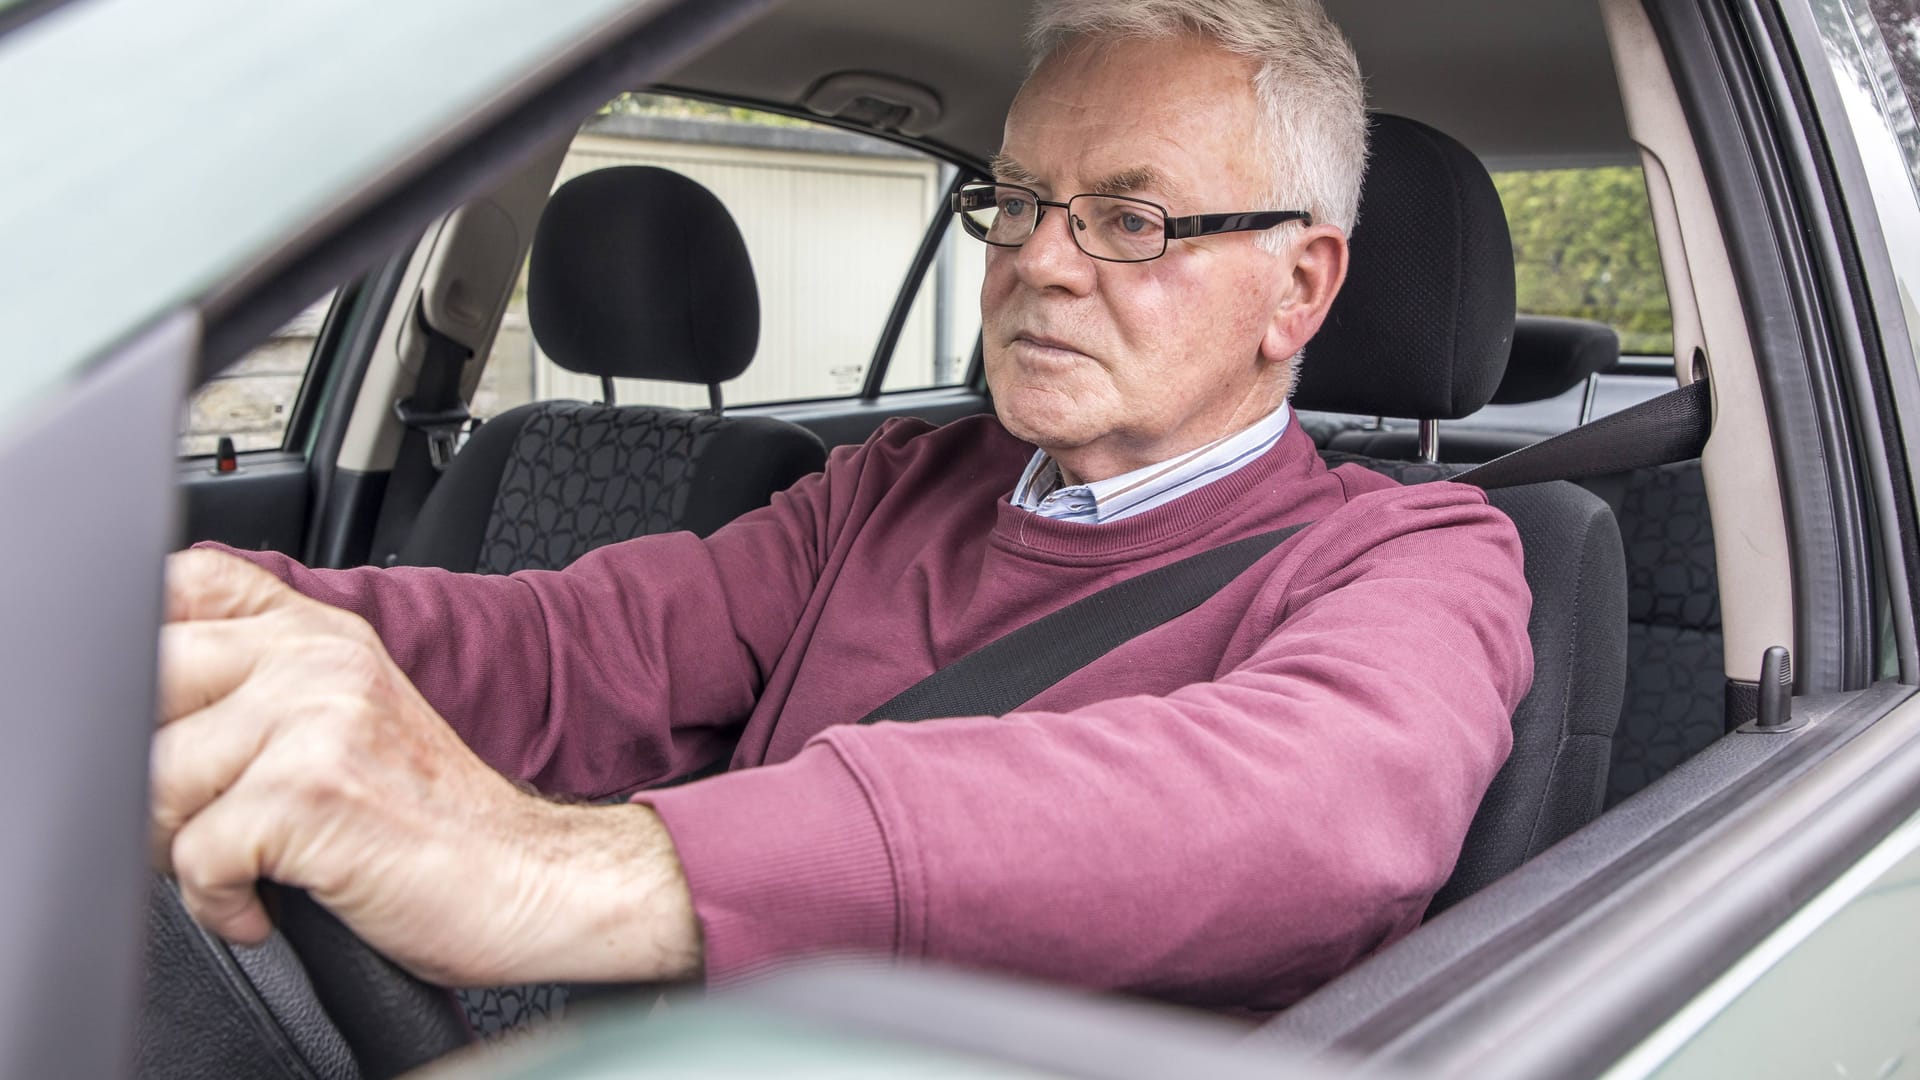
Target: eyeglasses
(1114, 228)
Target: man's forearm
(497, 657)
(610, 900)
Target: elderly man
(1226, 810)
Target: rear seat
(1675, 682)
(1551, 356)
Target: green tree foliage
(1583, 247)
(1900, 28)
(637, 104)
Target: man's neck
(1090, 464)
(1042, 490)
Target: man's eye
(1013, 207)
(1133, 223)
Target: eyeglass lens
(1105, 227)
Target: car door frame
(1567, 964)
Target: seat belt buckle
(442, 428)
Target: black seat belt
(1009, 671)
(1013, 669)
(433, 415)
(1659, 431)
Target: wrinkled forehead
(1173, 116)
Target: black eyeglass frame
(1174, 228)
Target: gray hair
(1307, 85)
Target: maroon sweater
(1228, 810)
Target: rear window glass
(1583, 248)
(831, 220)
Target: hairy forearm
(607, 900)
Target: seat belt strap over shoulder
(1659, 431)
(1014, 668)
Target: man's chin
(1051, 435)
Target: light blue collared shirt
(1143, 489)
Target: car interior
(1649, 635)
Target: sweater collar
(1281, 481)
(1142, 489)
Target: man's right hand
(291, 747)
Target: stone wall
(253, 400)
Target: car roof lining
(1524, 83)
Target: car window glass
(936, 342)
(1828, 993)
(831, 219)
(1583, 248)
(1899, 22)
(252, 400)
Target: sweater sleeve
(634, 665)
(1235, 842)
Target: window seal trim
(306, 404)
(1845, 390)
(349, 355)
(1884, 388)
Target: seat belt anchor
(442, 428)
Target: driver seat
(1421, 331)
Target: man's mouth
(1045, 346)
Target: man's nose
(1050, 257)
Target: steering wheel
(313, 1003)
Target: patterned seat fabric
(496, 1011)
(1554, 780)
(1675, 682)
(541, 485)
(581, 476)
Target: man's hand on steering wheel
(291, 747)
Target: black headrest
(640, 273)
(1552, 355)
(1422, 327)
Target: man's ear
(1319, 262)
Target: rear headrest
(1552, 355)
(640, 273)
(1422, 327)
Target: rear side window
(252, 401)
(832, 220)
(1583, 248)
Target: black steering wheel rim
(313, 1003)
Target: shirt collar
(1144, 488)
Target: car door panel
(79, 668)
(261, 505)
